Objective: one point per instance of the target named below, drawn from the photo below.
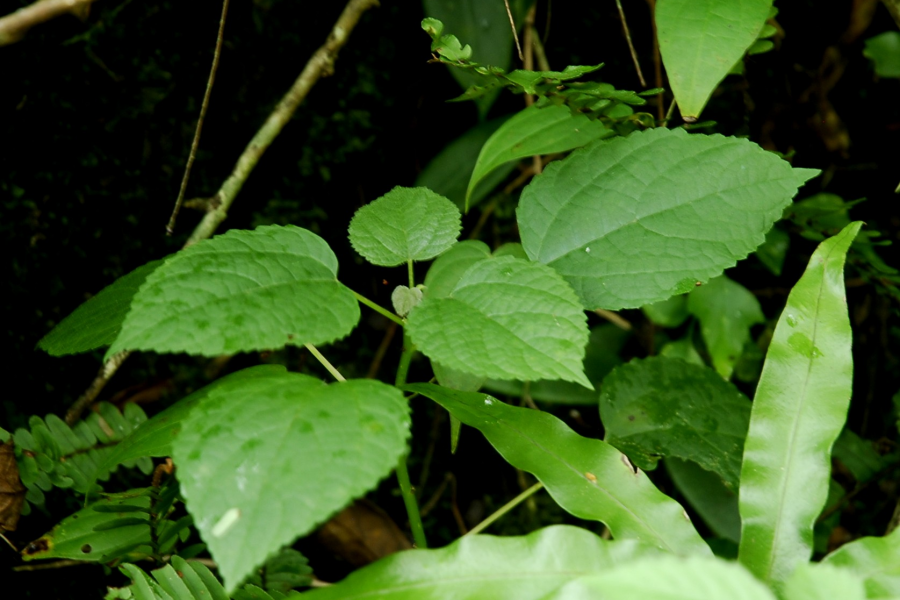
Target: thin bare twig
(14, 26)
(512, 23)
(637, 64)
(170, 228)
(614, 318)
(320, 64)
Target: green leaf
(506, 318)
(484, 566)
(180, 580)
(661, 407)
(534, 131)
(445, 272)
(98, 321)
(876, 560)
(700, 40)
(823, 582)
(668, 313)
(726, 310)
(884, 50)
(773, 251)
(799, 409)
(683, 349)
(241, 291)
(636, 220)
(860, 457)
(484, 26)
(588, 478)
(715, 503)
(403, 225)
(95, 532)
(447, 172)
(405, 299)
(154, 437)
(264, 460)
(668, 578)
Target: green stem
(321, 358)
(506, 508)
(409, 497)
(382, 311)
(412, 278)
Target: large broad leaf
(798, 412)
(823, 582)
(534, 131)
(241, 291)
(635, 220)
(447, 172)
(726, 310)
(403, 225)
(875, 560)
(263, 460)
(154, 437)
(97, 322)
(506, 318)
(701, 40)
(884, 51)
(661, 407)
(588, 478)
(448, 269)
(483, 566)
(704, 490)
(668, 578)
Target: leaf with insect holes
(241, 291)
(403, 225)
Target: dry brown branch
(14, 26)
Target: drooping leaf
(636, 220)
(445, 272)
(588, 478)
(823, 582)
(704, 490)
(447, 173)
(726, 310)
(405, 224)
(668, 578)
(701, 40)
(241, 291)
(263, 460)
(97, 322)
(506, 318)
(799, 409)
(534, 131)
(874, 559)
(154, 437)
(884, 50)
(662, 407)
(484, 566)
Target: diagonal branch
(14, 26)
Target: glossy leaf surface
(668, 578)
(264, 460)
(588, 478)
(636, 220)
(98, 321)
(874, 559)
(505, 318)
(701, 40)
(661, 407)
(531, 132)
(405, 224)
(483, 566)
(241, 291)
(726, 310)
(799, 409)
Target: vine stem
(409, 497)
(412, 277)
(325, 362)
(381, 311)
(506, 508)
(14, 26)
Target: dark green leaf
(704, 490)
(884, 50)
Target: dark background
(96, 119)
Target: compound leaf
(263, 460)
(506, 318)
(405, 224)
(798, 412)
(241, 291)
(588, 478)
(635, 220)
